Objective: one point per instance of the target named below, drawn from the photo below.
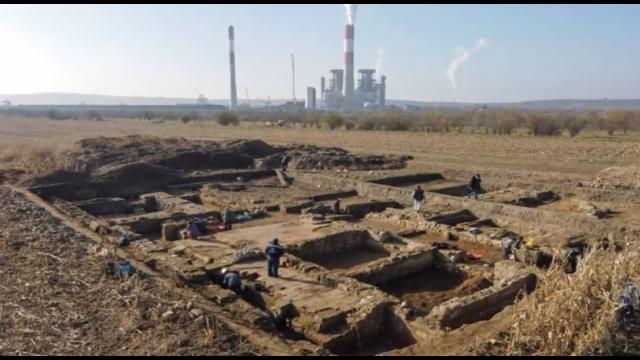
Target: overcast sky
(498, 52)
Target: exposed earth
(376, 278)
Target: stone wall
(336, 243)
(545, 219)
(360, 210)
(385, 270)
(483, 304)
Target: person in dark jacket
(474, 186)
(273, 251)
(418, 198)
(231, 280)
(227, 218)
(285, 163)
(336, 206)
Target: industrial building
(311, 99)
(341, 94)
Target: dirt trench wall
(546, 219)
(398, 266)
(105, 206)
(360, 210)
(408, 179)
(335, 243)
(334, 196)
(483, 304)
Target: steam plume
(461, 56)
(379, 63)
(351, 13)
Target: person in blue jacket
(273, 251)
(231, 280)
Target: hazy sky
(509, 52)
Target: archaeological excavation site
(363, 272)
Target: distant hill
(90, 99)
(554, 104)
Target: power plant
(369, 94)
(341, 93)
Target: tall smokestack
(233, 102)
(348, 64)
(382, 90)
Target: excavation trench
(381, 331)
(342, 250)
(423, 278)
(408, 180)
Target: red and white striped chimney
(233, 101)
(348, 65)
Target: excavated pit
(409, 180)
(382, 331)
(459, 190)
(423, 278)
(343, 250)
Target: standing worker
(418, 198)
(285, 162)
(336, 207)
(227, 218)
(274, 251)
(507, 247)
(474, 186)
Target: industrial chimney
(348, 65)
(382, 90)
(233, 102)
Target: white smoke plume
(461, 56)
(351, 13)
(379, 63)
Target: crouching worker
(284, 320)
(191, 232)
(125, 269)
(274, 251)
(231, 280)
(571, 261)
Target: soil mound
(618, 177)
(203, 160)
(91, 154)
(56, 177)
(252, 148)
(137, 173)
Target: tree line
(488, 121)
